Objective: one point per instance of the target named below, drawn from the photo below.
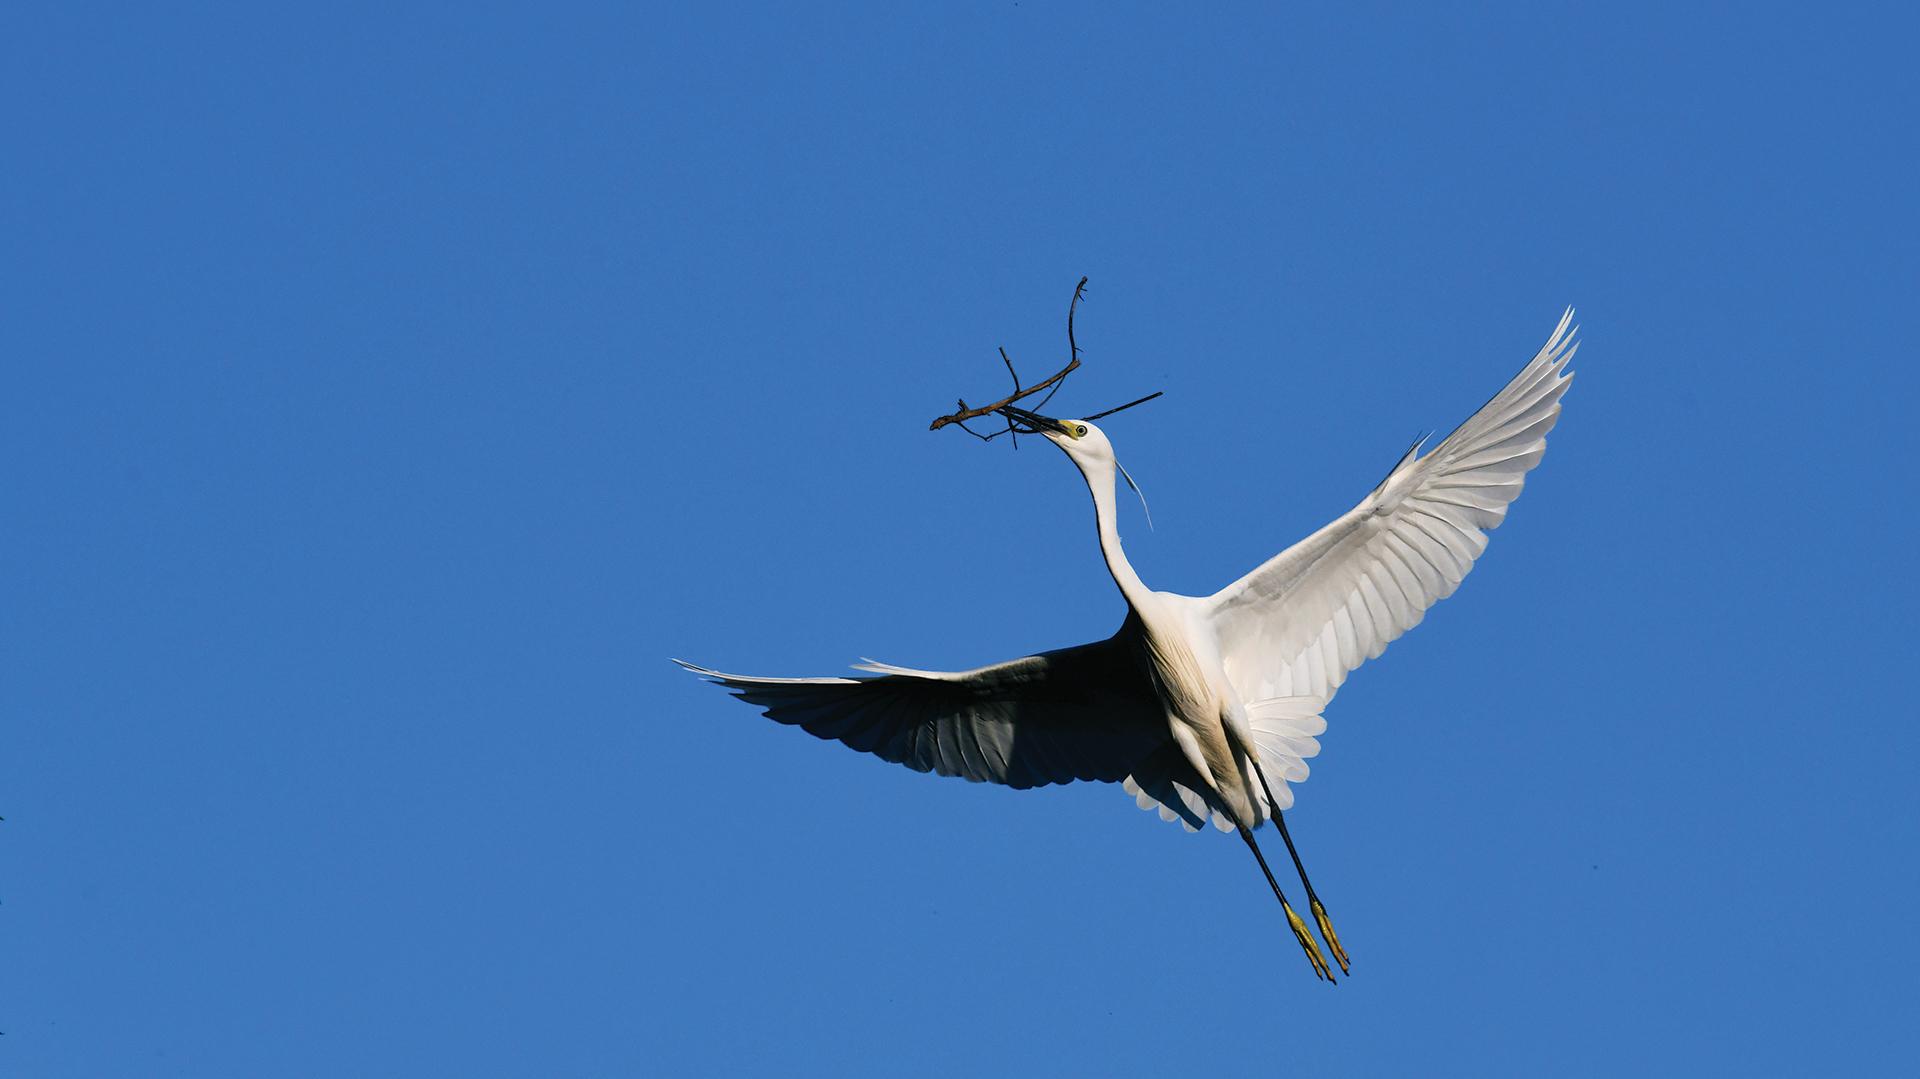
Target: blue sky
(389, 395)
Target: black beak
(1036, 423)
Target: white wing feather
(1299, 624)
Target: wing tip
(1564, 340)
(737, 681)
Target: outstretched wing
(1076, 713)
(1300, 623)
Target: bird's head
(1082, 441)
(1085, 444)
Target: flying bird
(1205, 707)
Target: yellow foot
(1301, 934)
(1326, 930)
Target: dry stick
(966, 413)
(1073, 348)
(1051, 385)
(1126, 406)
(1012, 432)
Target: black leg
(1313, 901)
(1300, 932)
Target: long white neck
(1100, 478)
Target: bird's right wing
(1088, 712)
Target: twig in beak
(1051, 385)
(966, 413)
(1126, 406)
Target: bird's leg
(1300, 932)
(1313, 901)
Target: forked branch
(1051, 384)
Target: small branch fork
(1051, 385)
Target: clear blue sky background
(388, 396)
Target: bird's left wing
(1298, 624)
(1075, 713)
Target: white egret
(1205, 707)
